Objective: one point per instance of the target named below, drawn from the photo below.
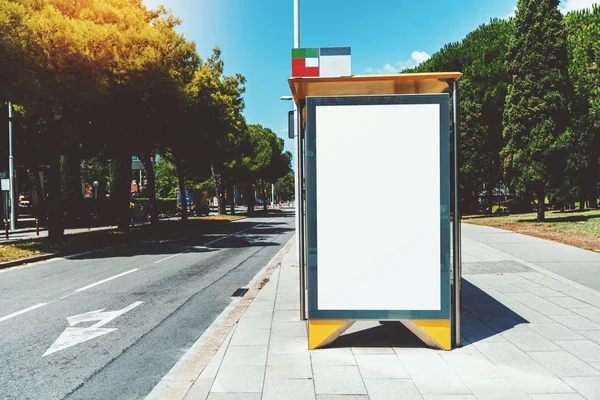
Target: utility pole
(11, 172)
(297, 180)
(297, 198)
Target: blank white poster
(378, 205)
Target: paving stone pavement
(528, 333)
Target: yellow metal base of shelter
(434, 333)
(323, 332)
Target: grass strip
(576, 228)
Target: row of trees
(97, 81)
(530, 106)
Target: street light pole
(11, 172)
(297, 198)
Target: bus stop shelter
(378, 172)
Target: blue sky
(385, 35)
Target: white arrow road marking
(72, 336)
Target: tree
(219, 105)
(166, 179)
(284, 187)
(583, 29)
(65, 53)
(66, 57)
(482, 57)
(264, 160)
(536, 113)
(483, 91)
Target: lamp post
(96, 183)
(11, 172)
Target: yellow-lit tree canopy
(95, 82)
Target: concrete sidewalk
(528, 333)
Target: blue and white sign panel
(378, 207)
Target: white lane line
(208, 243)
(230, 235)
(173, 256)
(9, 316)
(105, 280)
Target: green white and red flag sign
(321, 62)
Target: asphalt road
(134, 310)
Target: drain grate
(239, 292)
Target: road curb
(28, 260)
(177, 388)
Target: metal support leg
(300, 215)
(456, 225)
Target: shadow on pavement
(253, 234)
(482, 317)
(387, 334)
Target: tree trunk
(120, 191)
(582, 194)
(55, 224)
(261, 194)
(182, 192)
(250, 198)
(264, 196)
(541, 209)
(71, 183)
(146, 159)
(490, 196)
(231, 199)
(219, 189)
(593, 183)
(40, 207)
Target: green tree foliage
(219, 102)
(284, 187)
(102, 80)
(482, 57)
(166, 179)
(583, 28)
(263, 162)
(544, 135)
(537, 104)
(484, 90)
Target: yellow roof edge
(423, 75)
(426, 82)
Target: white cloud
(416, 58)
(388, 69)
(512, 13)
(420, 56)
(565, 6)
(572, 5)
